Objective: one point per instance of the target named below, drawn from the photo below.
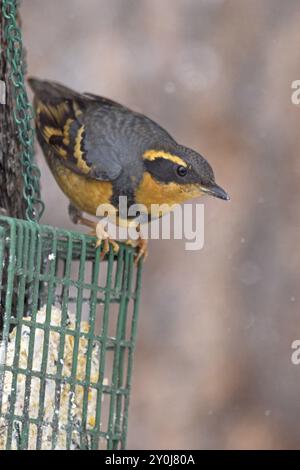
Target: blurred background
(213, 362)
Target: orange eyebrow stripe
(153, 154)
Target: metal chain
(23, 112)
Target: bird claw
(142, 250)
(100, 233)
(106, 244)
(102, 236)
(141, 246)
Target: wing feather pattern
(63, 123)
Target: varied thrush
(99, 150)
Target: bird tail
(46, 91)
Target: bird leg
(77, 217)
(102, 236)
(141, 244)
(97, 230)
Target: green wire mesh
(89, 377)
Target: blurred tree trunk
(11, 179)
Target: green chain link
(23, 114)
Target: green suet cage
(68, 319)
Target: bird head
(179, 174)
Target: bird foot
(97, 230)
(102, 236)
(142, 248)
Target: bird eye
(181, 170)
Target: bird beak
(216, 191)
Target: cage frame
(17, 238)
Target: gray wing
(68, 123)
(92, 135)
